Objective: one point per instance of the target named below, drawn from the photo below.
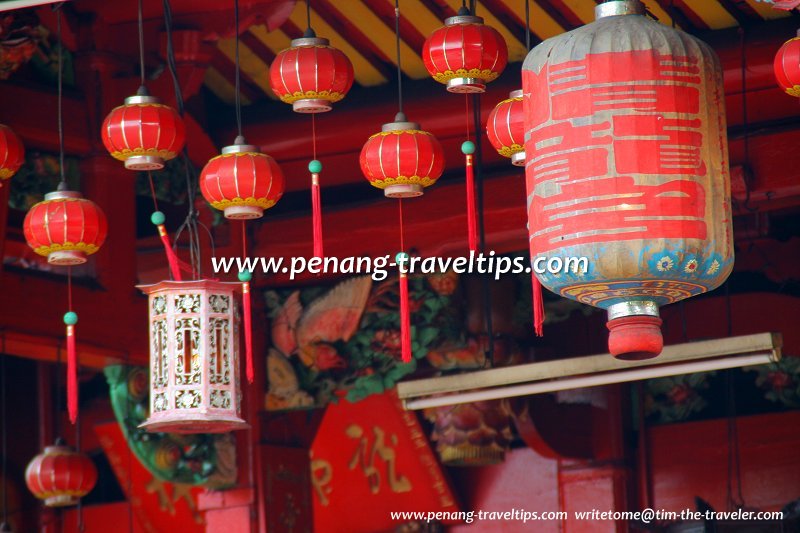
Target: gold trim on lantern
(508, 151)
(794, 91)
(486, 75)
(468, 455)
(86, 248)
(239, 154)
(263, 203)
(402, 180)
(6, 173)
(127, 153)
(330, 96)
(399, 132)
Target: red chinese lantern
(402, 159)
(311, 75)
(144, 133)
(60, 476)
(65, 227)
(12, 153)
(630, 169)
(506, 129)
(465, 54)
(242, 181)
(787, 66)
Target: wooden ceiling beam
(408, 32)
(227, 69)
(511, 20)
(678, 16)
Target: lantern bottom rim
(518, 159)
(194, 423)
(144, 162)
(61, 500)
(243, 212)
(466, 86)
(311, 105)
(403, 190)
(635, 338)
(66, 258)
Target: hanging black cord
(527, 25)
(397, 51)
(62, 186)
(308, 14)
(141, 45)
(238, 103)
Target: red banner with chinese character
(371, 458)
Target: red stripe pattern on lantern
(787, 67)
(143, 133)
(311, 70)
(60, 476)
(12, 152)
(242, 182)
(506, 128)
(402, 157)
(465, 48)
(65, 227)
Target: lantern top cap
(463, 19)
(61, 195)
(240, 148)
(58, 449)
(310, 41)
(618, 7)
(142, 99)
(633, 308)
(516, 94)
(200, 284)
(400, 126)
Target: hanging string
(141, 45)
(405, 311)
(70, 319)
(527, 25)
(238, 103)
(397, 52)
(62, 186)
(308, 14)
(244, 277)
(80, 525)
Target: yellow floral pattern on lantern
(330, 96)
(399, 132)
(508, 151)
(794, 91)
(403, 180)
(5, 173)
(123, 155)
(86, 248)
(263, 203)
(486, 75)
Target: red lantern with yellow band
(242, 181)
(311, 75)
(787, 66)
(465, 54)
(506, 128)
(402, 159)
(65, 227)
(144, 133)
(60, 476)
(12, 153)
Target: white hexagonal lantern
(194, 357)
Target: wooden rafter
(408, 32)
(250, 90)
(511, 20)
(680, 18)
(560, 13)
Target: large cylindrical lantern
(465, 54)
(506, 128)
(65, 227)
(242, 182)
(60, 476)
(311, 75)
(628, 167)
(787, 66)
(402, 159)
(144, 133)
(12, 153)
(194, 357)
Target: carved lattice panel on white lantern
(194, 357)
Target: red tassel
(472, 218)
(316, 215)
(248, 331)
(172, 257)
(538, 306)
(72, 375)
(405, 319)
